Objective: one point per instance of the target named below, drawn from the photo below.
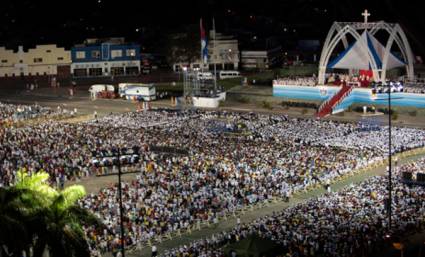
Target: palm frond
(72, 194)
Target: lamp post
(113, 158)
(389, 160)
(388, 204)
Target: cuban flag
(204, 49)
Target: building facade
(261, 59)
(108, 58)
(42, 60)
(223, 52)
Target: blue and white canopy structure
(366, 52)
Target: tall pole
(120, 202)
(389, 160)
(215, 61)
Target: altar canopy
(356, 55)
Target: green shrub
(394, 115)
(304, 111)
(267, 105)
(299, 104)
(413, 113)
(243, 99)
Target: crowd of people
(336, 79)
(414, 168)
(352, 222)
(414, 90)
(11, 113)
(208, 173)
(296, 81)
(224, 172)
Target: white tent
(355, 57)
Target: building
(261, 54)
(223, 52)
(112, 57)
(42, 60)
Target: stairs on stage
(326, 107)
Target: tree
(184, 46)
(36, 216)
(14, 210)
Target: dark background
(29, 22)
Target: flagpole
(203, 40)
(215, 61)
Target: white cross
(365, 14)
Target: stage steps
(327, 106)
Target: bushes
(304, 111)
(413, 113)
(267, 105)
(394, 115)
(242, 99)
(385, 111)
(288, 104)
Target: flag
(204, 49)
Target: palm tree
(13, 233)
(62, 233)
(36, 216)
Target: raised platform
(208, 102)
(357, 96)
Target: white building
(261, 59)
(39, 61)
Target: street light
(117, 157)
(389, 160)
(388, 204)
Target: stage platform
(362, 96)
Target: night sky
(68, 22)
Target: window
(117, 71)
(60, 58)
(38, 60)
(3, 61)
(132, 70)
(80, 72)
(95, 72)
(81, 55)
(20, 61)
(48, 51)
(95, 54)
(131, 52)
(116, 53)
